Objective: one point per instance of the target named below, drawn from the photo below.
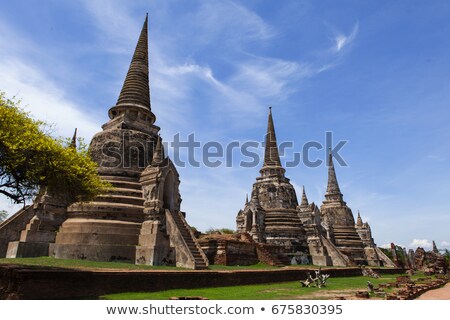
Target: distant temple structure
(271, 214)
(139, 219)
(328, 236)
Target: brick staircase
(347, 240)
(264, 255)
(10, 229)
(200, 259)
(124, 201)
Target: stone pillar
(154, 245)
(318, 252)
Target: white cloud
(44, 99)
(424, 243)
(445, 244)
(23, 77)
(265, 77)
(114, 20)
(341, 40)
(388, 245)
(231, 22)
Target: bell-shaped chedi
(124, 147)
(338, 219)
(139, 219)
(271, 214)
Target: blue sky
(375, 73)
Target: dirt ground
(437, 294)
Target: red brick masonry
(24, 282)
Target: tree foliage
(387, 252)
(31, 159)
(221, 231)
(447, 256)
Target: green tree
(31, 159)
(447, 255)
(3, 215)
(222, 231)
(387, 252)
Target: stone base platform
(96, 240)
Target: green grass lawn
(281, 291)
(258, 266)
(78, 264)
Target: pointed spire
(304, 203)
(158, 154)
(246, 198)
(136, 89)
(333, 186)
(271, 155)
(359, 221)
(435, 249)
(73, 144)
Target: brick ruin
(430, 262)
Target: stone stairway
(124, 201)
(11, 228)
(200, 259)
(264, 255)
(348, 241)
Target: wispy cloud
(231, 21)
(445, 243)
(424, 243)
(25, 78)
(341, 40)
(44, 99)
(268, 77)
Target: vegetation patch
(258, 266)
(80, 264)
(277, 291)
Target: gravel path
(437, 294)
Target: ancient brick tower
(338, 220)
(271, 214)
(139, 219)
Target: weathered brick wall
(241, 253)
(229, 252)
(18, 282)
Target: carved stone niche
(160, 188)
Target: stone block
(322, 260)
(118, 253)
(37, 236)
(19, 249)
